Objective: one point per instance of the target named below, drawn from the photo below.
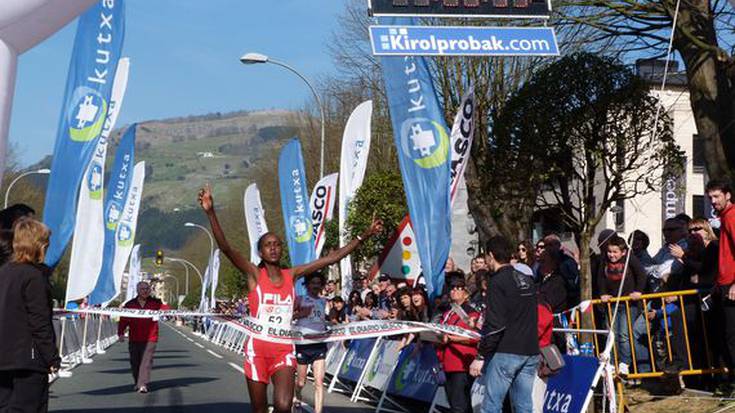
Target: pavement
(189, 375)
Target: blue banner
(97, 47)
(567, 391)
(117, 194)
(422, 140)
(403, 40)
(417, 373)
(295, 206)
(356, 359)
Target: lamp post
(255, 58)
(43, 171)
(177, 285)
(186, 265)
(209, 234)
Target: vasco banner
(117, 193)
(86, 101)
(423, 153)
(463, 131)
(406, 40)
(356, 360)
(295, 206)
(322, 209)
(416, 375)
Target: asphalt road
(189, 375)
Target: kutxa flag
(115, 199)
(295, 206)
(423, 154)
(97, 47)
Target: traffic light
(159, 258)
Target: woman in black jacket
(28, 350)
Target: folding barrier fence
(82, 336)
(658, 331)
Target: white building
(646, 212)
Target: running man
(271, 297)
(311, 314)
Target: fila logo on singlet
(276, 299)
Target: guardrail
(82, 336)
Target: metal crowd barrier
(652, 344)
(367, 369)
(82, 336)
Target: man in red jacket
(720, 195)
(143, 336)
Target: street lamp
(256, 58)
(43, 171)
(177, 285)
(186, 265)
(209, 234)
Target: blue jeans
(623, 333)
(640, 339)
(512, 372)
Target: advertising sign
(463, 41)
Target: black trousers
(23, 391)
(726, 309)
(459, 392)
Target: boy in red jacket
(143, 336)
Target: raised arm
(243, 264)
(376, 227)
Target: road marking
(190, 339)
(236, 367)
(214, 354)
(198, 345)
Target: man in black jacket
(508, 351)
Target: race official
(143, 336)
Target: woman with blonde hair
(28, 350)
(701, 264)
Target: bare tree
(704, 39)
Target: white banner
(322, 209)
(353, 161)
(89, 230)
(125, 232)
(254, 219)
(133, 273)
(215, 279)
(203, 302)
(463, 131)
(381, 369)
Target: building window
(619, 211)
(697, 154)
(698, 206)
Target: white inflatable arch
(24, 24)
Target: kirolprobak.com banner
(463, 41)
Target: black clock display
(461, 8)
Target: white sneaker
(623, 369)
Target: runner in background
(310, 313)
(271, 298)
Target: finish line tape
(295, 335)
